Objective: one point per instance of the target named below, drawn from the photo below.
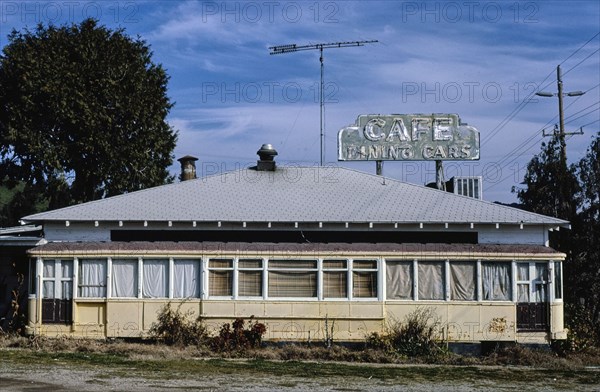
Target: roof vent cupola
(188, 168)
(266, 155)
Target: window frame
(137, 276)
(314, 270)
(345, 271)
(58, 279)
(375, 271)
(231, 279)
(173, 261)
(444, 276)
(238, 271)
(80, 286)
(511, 286)
(450, 280)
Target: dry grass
(515, 355)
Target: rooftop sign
(408, 137)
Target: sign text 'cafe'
(408, 137)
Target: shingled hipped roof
(295, 194)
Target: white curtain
(523, 292)
(186, 279)
(48, 285)
(541, 272)
(431, 280)
(523, 271)
(399, 283)
(155, 278)
(496, 281)
(48, 289)
(92, 278)
(48, 268)
(124, 278)
(462, 281)
(67, 273)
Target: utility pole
(565, 201)
(281, 49)
(561, 116)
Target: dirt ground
(64, 376)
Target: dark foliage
(82, 116)
(235, 337)
(571, 193)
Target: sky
(482, 60)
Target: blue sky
(480, 59)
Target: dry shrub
(174, 327)
(416, 336)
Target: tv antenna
(282, 49)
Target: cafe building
(300, 249)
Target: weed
(329, 332)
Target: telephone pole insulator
(561, 117)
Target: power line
(579, 63)
(527, 99)
(581, 47)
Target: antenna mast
(282, 49)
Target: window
(57, 279)
(557, 280)
(540, 283)
(57, 291)
(155, 278)
(124, 278)
(293, 278)
(48, 279)
(92, 278)
(335, 279)
(364, 278)
(522, 282)
(431, 280)
(532, 282)
(399, 276)
(496, 281)
(250, 277)
(186, 279)
(463, 279)
(220, 277)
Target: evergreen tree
(551, 188)
(586, 262)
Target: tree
(551, 188)
(573, 194)
(586, 261)
(82, 114)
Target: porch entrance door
(533, 307)
(57, 292)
